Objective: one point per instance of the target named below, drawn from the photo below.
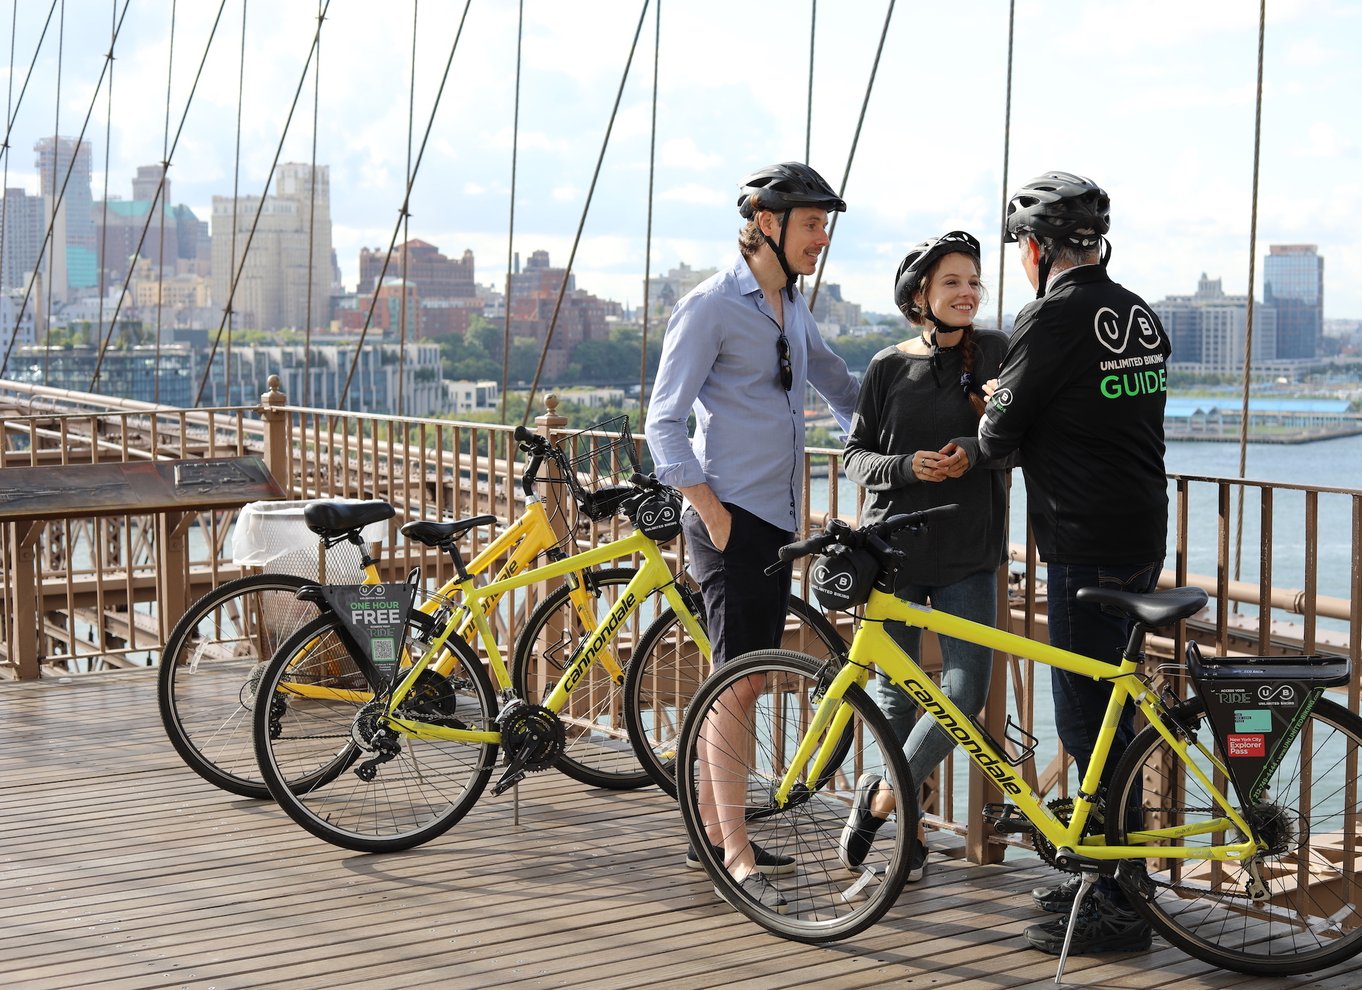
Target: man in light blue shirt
(738, 351)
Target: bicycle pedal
(507, 781)
(1006, 819)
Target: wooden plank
(124, 870)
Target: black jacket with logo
(1080, 395)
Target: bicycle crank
(533, 739)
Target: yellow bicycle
(382, 758)
(1232, 821)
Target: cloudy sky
(1153, 98)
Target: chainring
(533, 735)
(1063, 809)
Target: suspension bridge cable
(4, 150)
(586, 208)
(510, 230)
(312, 222)
(1253, 257)
(1007, 155)
(260, 207)
(156, 198)
(406, 225)
(808, 106)
(59, 196)
(227, 310)
(851, 155)
(165, 165)
(57, 200)
(648, 237)
(405, 208)
(104, 207)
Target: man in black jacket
(1081, 395)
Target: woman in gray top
(916, 397)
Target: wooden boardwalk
(121, 869)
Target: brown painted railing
(98, 604)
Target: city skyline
(1165, 122)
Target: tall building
(664, 291)
(1209, 330)
(25, 225)
(441, 292)
(582, 316)
(1293, 285)
(174, 240)
(72, 258)
(285, 278)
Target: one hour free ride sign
(376, 616)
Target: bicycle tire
(826, 901)
(597, 750)
(668, 668)
(306, 744)
(209, 666)
(1312, 918)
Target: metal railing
(1295, 589)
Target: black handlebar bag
(842, 577)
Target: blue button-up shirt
(719, 358)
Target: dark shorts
(744, 606)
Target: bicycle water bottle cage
(1257, 706)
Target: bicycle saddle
(434, 534)
(328, 518)
(1153, 609)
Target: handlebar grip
(814, 544)
(523, 433)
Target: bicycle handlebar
(872, 537)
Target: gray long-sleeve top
(906, 406)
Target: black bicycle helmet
(919, 261)
(783, 187)
(1060, 204)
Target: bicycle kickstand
(1089, 878)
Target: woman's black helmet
(1058, 205)
(785, 186)
(919, 261)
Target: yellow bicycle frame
(653, 576)
(872, 646)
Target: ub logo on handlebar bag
(842, 577)
(657, 515)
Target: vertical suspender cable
(165, 168)
(586, 208)
(404, 209)
(10, 116)
(312, 216)
(851, 155)
(406, 224)
(648, 237)
(4, 150)
(46, 304)
(104, 207)
(260, 207)
(236, 218)
(510, 230)
(1007, 155)
(808, 111)
(157, 197)
(1253, 257)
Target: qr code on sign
(385, 650)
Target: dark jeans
(744, 606)
(1097, 632)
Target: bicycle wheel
(596, 738)
(668, 667)
(209, 668)
(338, 772)
(1312, 821)
(824, 901)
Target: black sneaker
(1058, 898)
(917, 861)
(859, 831)
(761, 890)
(1102, 926)
(768, 863)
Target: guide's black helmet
(785, 186)
(1059, 205)
(919, 261)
